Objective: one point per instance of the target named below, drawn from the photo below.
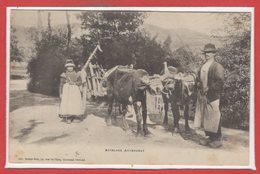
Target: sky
(201, 22)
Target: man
(210, 85)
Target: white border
(8, 44)
(147, 9)
(252, 94)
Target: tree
(185, 60)
(235, 57)
(148, 54)
(69, 30)
(16, 52)
(122, 41)
(47, 63)
(167, 43)
(53, 45)
(111, 30)
(110, 24)
(49, 22)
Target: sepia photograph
(130, 87)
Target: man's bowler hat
(209, 48)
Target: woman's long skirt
(71, 101)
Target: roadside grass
(24, 98)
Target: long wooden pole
(83, 74)
(91, 57)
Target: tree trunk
(49, 22)
(69, 31)
(39, 24)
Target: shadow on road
(25, 132)
(49, 139)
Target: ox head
(181, 85)
(155, 86)
(143, 81)
(169, 84)
(174, 87)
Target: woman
(71, 100)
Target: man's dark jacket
(215, 81)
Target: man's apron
(207, 114)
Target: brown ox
(178, 90)
(127, 86)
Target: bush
(235, 57)
(47, 64)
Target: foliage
(147, 53)
(235, 57)
(110, 24)
(48, 61)
(122, 41)
(16, 52)
(185, 60)
(110, 29)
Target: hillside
(189, 38)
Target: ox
(179, 91)
(127, 86)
